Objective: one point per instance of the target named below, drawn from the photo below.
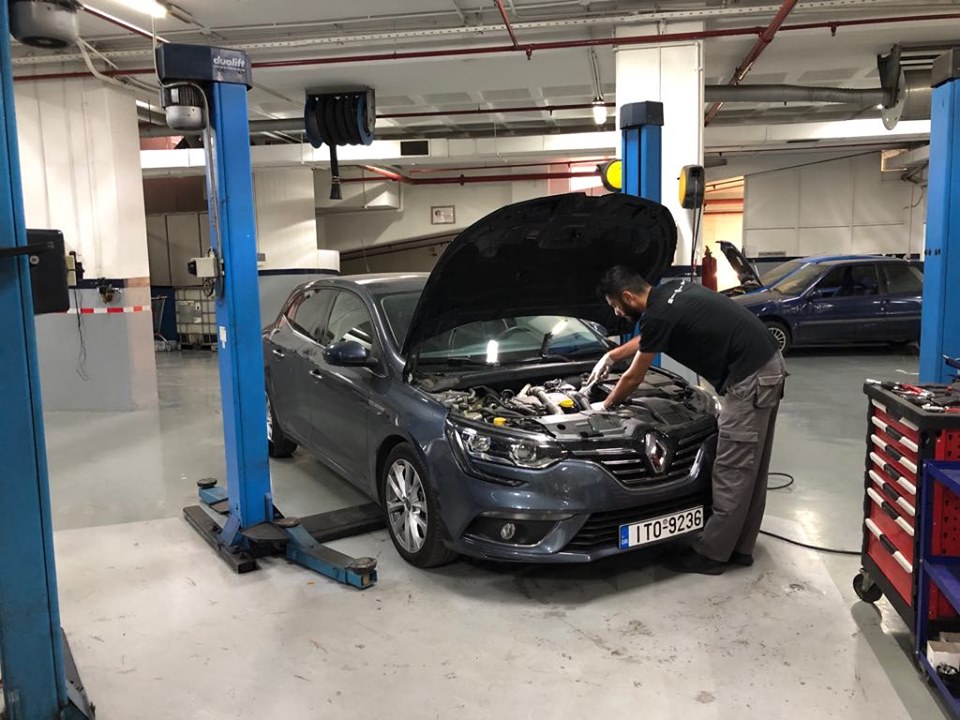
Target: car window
(800, 280)
(349, 320)
(771, 277)
(398, 309)
(309, 313)
(902, 279)
(849, 281)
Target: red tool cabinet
(900, 437)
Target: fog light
(508, 531)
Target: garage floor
(161, 628)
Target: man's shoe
(694, 562)
(741, 559)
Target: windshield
(800, 280)
(495, 341)
(771, 277)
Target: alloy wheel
(779, 335)
(269, 420)
(406, 505)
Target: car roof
(838, 259)
(374, 283)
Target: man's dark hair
(620, 279)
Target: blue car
(842, 300)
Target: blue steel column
(238, 315)
(31, 650)
(940, 329)
(642, 124)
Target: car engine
(552, 398)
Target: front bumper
(573, 510)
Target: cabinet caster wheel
(867, 592)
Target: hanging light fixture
(599, 112)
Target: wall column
(287, 235)
(671, 73)
(80, 162)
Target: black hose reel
(339, 118)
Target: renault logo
(659, 453)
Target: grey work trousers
(748, 417)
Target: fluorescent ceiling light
(558, 328)
(148, 7)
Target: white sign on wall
(443, 215)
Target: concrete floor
(161, 628)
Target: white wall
(351, 231)
(286, 218)
(80, 165)
(840, 206)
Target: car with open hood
(455, 399)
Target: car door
(844, 306)
(291, 346)
(903, 284)
(339, 395)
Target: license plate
(661, 528)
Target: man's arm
(602, 368)
(630, 380)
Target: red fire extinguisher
(708, 270)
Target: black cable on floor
(790, 481)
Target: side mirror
(348, 353)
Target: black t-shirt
(708, 332)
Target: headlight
(711, 401)
(520, 450)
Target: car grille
(602, 529)
(630, 466)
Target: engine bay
(563, 406)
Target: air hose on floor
(790, 481)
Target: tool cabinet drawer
(894, 492)
(897, 568)
(899, 530)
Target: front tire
(278, 444)
(780, 333)
(412, 510)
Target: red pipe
(466, 180)
(491, 111)
(766, 37)
(506, 21)
(530, 48)
(568, 163)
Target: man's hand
(631, 379)
(601, 369)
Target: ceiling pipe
(465, 179)
(506, 22)
(568, 163)
(766, 37)
(119, 22)
(654, 39)
(720, 94)
(567, 22)
(296, 124)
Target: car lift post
(641, 124)
(39, 676)
(940, 328)
(242, 523)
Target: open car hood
(738, 261)
(543, 257)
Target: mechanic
(732, 349)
